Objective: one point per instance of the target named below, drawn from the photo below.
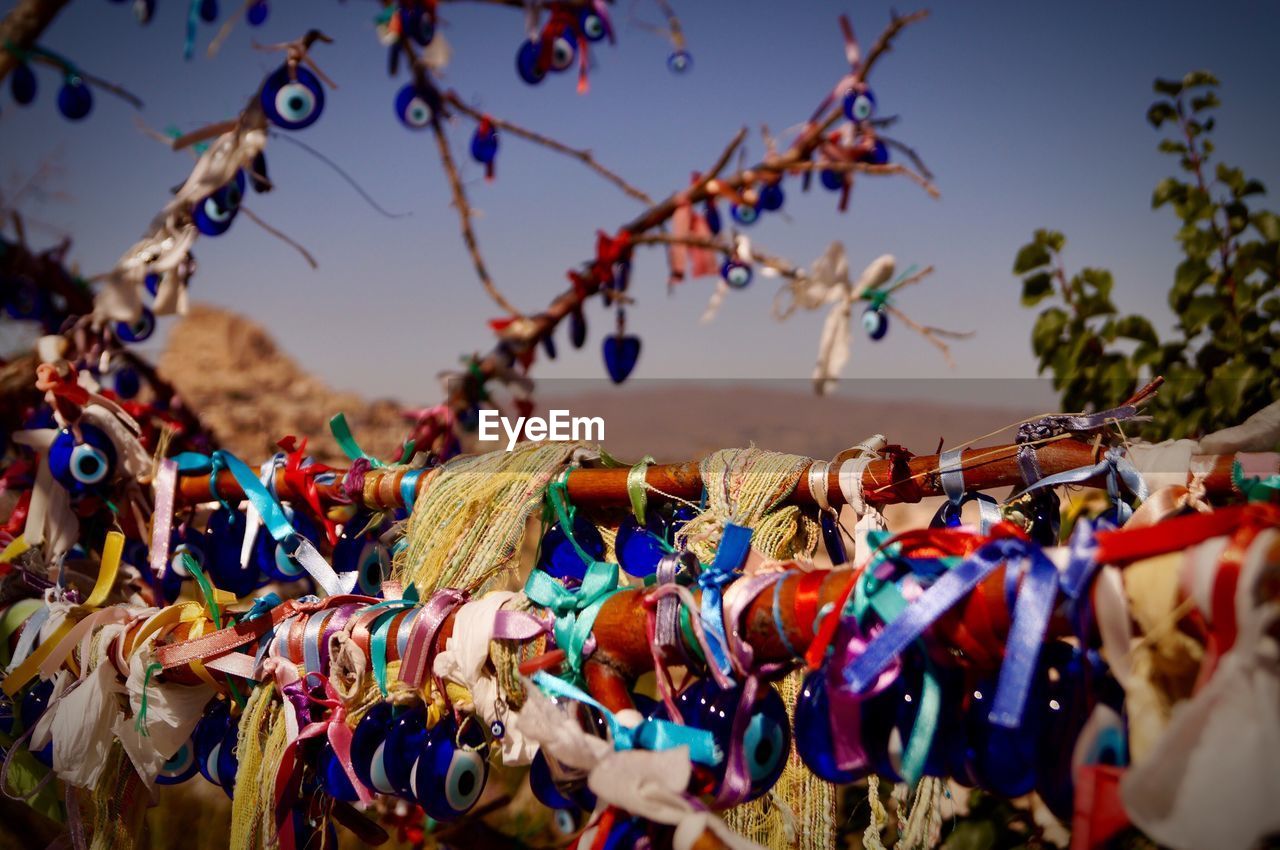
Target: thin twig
(97, 82)
(723, 246)
(581, 154)
(341, 173)
(225, 30)
(306, 255)
(869, 168)
(930, 333)
(464, 216)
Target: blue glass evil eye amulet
(292, 102)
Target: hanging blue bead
(292, 104)
(258, 174)
(875, 321)
(126, 382)
(22, 84)
(559, 558)
(208, 11)
(211, 731)
(577, 327)
(566, 824)
(418, 24)
(680, 62)
(549, 345)
(1070, 698)
(563, 51)
(593, 26)
(416, 108)
(767, 739)
(813, 722)
(832, 179)
(771, 197)
(368, 747)
(139, 330)
(528, 63)
(256, 14)
(213, 215)
(484, 144)
(333, 777)
(832, 539)
(744, 214)
(405, 739)
(859, 106)
(621, 352)
(34, 704)
(222, 543)
(85, 464)
(452, 769)
(152, 283)
(878, 155)
(1004, 760)
(180, 767)
(75, 101)
(638, 549)
(736, 273)
(713, 218)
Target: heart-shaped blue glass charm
(558, 557)
(290, 103)
(85, 464)
(621, 351)
(639, 549)
(452, 769)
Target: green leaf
(1199, 312)
(1036, 288)
(1205, 101)
(1172, 88)
(1199, 78)
(1033, 255)
(1172, 146)
(1136, 327)
(1047, 331)
(1268, 224)
(1168, 189)
(1051, 239)
(1161, 112)
(1252, 187)
(1099, 280)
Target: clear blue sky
(1030, 114)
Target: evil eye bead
(771, 197)
(375, 563)
(577, 327)
(290, 103)
(680, 62)
(368, 748)
(833, 180)
(563, 52)
(875, 322)
(126, 382)
(414, 107)
(766, 741)
(75, 101)
(180, 767)
(211, 731)
(744, 214)
(736, 273)
(22, 84)
(418, 25)
(528, 63)
(452, 769)
(256, 14)
(213, 215)
(84, 465)
(139, 330)
(566, 823)
(208, 11)
(405, 739)
(593, 26)
(559, 558)
(555, 794)
(859, 106)
(713, 218)
(35, 702)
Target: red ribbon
(302, 481)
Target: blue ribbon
(651, 734)
(262, 606)
(1022, 651)
(952, 479)
(1119, 471)
(409, 488)
(862, 672)
(273, 517)
(735, 543)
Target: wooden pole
(884, 482)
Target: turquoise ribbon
(735, 543)
(651, 734)
(409, 488)
(575, 610)
(1255, 489)
(347, 441)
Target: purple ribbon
(845, 704)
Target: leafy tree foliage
(1221, 360)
